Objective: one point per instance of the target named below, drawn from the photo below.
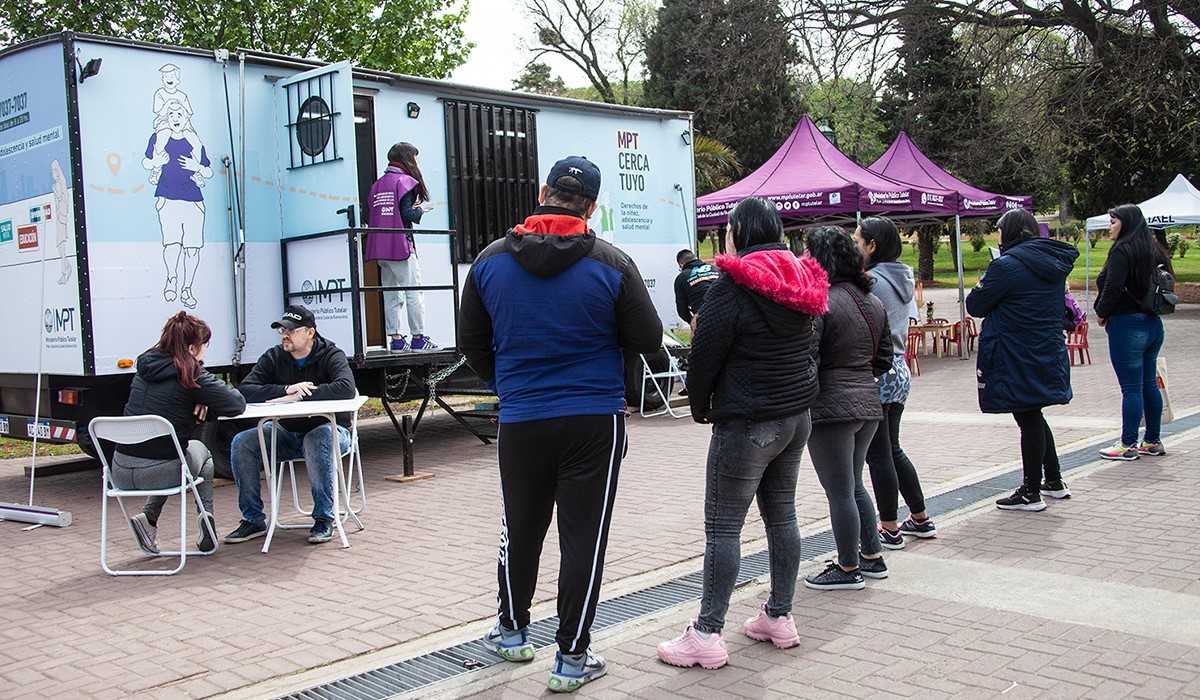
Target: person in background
(855, 347)
(1022, 366)
(691, 284)
(171, 382)
(891, 469)
(546, 313)
(305, 366)
(753, 376)
(1135, 334)
(397, 200)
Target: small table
(938, 332)
(267, 412)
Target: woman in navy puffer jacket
(1023, 365)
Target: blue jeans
(315, 448)
(1133, 344)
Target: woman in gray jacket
(891, 470)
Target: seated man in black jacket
(304, 366)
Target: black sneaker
(872, 568)
(207, 541)
(891, 539)
(1022, 499)
(924, 529)
(834, 578)
(1056, 489)
(322, 531)
(245, 531)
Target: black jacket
(1022, 362)
(691, 284)
(855, 347)
(156, 391)
(326, 366)
(1118, 291)
(752, 355)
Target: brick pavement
(425, 562)
(1001, 605)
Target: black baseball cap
(580, 168)
(296, 317)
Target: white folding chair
(347, 480)
(672, 374)
(131, 430)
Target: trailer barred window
(311, 114)
(491, 153)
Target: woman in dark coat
(855, 347)
(1023, 365)
(751, 373)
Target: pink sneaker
(780, 631)
(692, 647)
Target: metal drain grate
(437, 666)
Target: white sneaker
(145, 533)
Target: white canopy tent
(1178, 205)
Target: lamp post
(827, 131)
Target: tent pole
(962, 298)
(1087, 267)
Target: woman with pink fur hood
(752, 374)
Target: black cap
(580, 168)
(296, 317)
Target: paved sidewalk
(424, 569)
(1092, 598)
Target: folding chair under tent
(1178, 205)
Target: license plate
(43, 429)
(3, 425)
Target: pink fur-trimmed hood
(778, 275)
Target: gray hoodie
(895, 287)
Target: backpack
(1160, 298)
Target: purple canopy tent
(808, 178)
(904, 161)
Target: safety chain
(438, 377)
(392, 381)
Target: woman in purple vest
(397, 200)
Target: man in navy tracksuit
(546, 313)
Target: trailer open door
(318, 187)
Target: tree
(716, 165)
(1121, 97)
(605, 40)
(537, 78)
(850, 108)
(728, 61)
(417, 37)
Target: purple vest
(383, 211)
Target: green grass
(974, 263)
(10, 449)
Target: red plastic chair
(955, 336)
(915, 338)
(1077, 343)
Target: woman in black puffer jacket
(171, 382)
(752, 374)
(855, 347)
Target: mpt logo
(323, 291)
(59, 320)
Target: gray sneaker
(571, 673)
(510, 645)
(145, 533)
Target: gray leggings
(838, 451)
(129, 472)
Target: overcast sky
(498, 27)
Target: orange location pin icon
(114, 162)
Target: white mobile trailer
(137, 180)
